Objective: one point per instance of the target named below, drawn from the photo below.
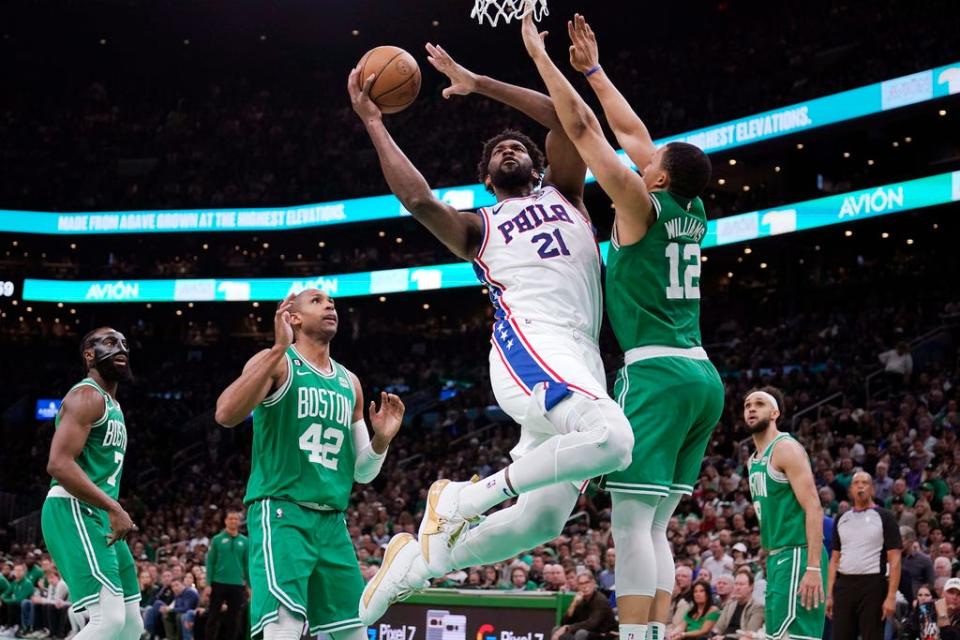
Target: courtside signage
(822, 212)
(838, 107)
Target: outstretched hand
(532, 39)
(360, 95)
(386, 421)
(282, 329)
(584, 53)
(463, 82)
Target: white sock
(594, 438)
(288, 626)
(633, 632)
(656, 631)
(107, 618)
(476, 498)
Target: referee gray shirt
(863, 537)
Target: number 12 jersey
(653, 286)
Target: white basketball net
(495, 10)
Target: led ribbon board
(847, 105)
(822, 212)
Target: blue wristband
(592, 71)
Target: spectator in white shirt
(718, 562)
(897, 364)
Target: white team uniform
(540, 260)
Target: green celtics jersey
(302, 442)
(782, 519)
(102, 455)
(653, 286)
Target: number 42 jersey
(302, 441)
(540, 260)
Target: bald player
(310, 444)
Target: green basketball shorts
(673, 404)
(786, 618)
(76, 537)
(302, 559)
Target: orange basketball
(398, 77)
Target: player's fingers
(368, 83)
(373, 406)
(352, 81)
(447, 92)
(543, 36)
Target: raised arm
(565, 168)
(792, 458)
(459, 232)
(386, 422)
(627, 126)
(263, 372)
(81, 409)
(625, 188)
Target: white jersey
(541, 262)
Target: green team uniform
(670, 392)
(783, 535)
(301, 555)
(76, 533)
(227, 559)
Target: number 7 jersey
(302, 440)
(653, 286)
(540, 260)
(102, 455)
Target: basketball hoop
(495, 10)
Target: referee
(861, 594)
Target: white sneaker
(393, 581)
(442, 525)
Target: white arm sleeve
(368, 462)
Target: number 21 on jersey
(690, 265)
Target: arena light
(746, 227)
(839, 107)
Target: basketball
(398, 77)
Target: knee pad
(666, 568)
(287, 626)
(108, 617)
(133, 622)
(619, 433)
(603, 418)
(632, 532)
